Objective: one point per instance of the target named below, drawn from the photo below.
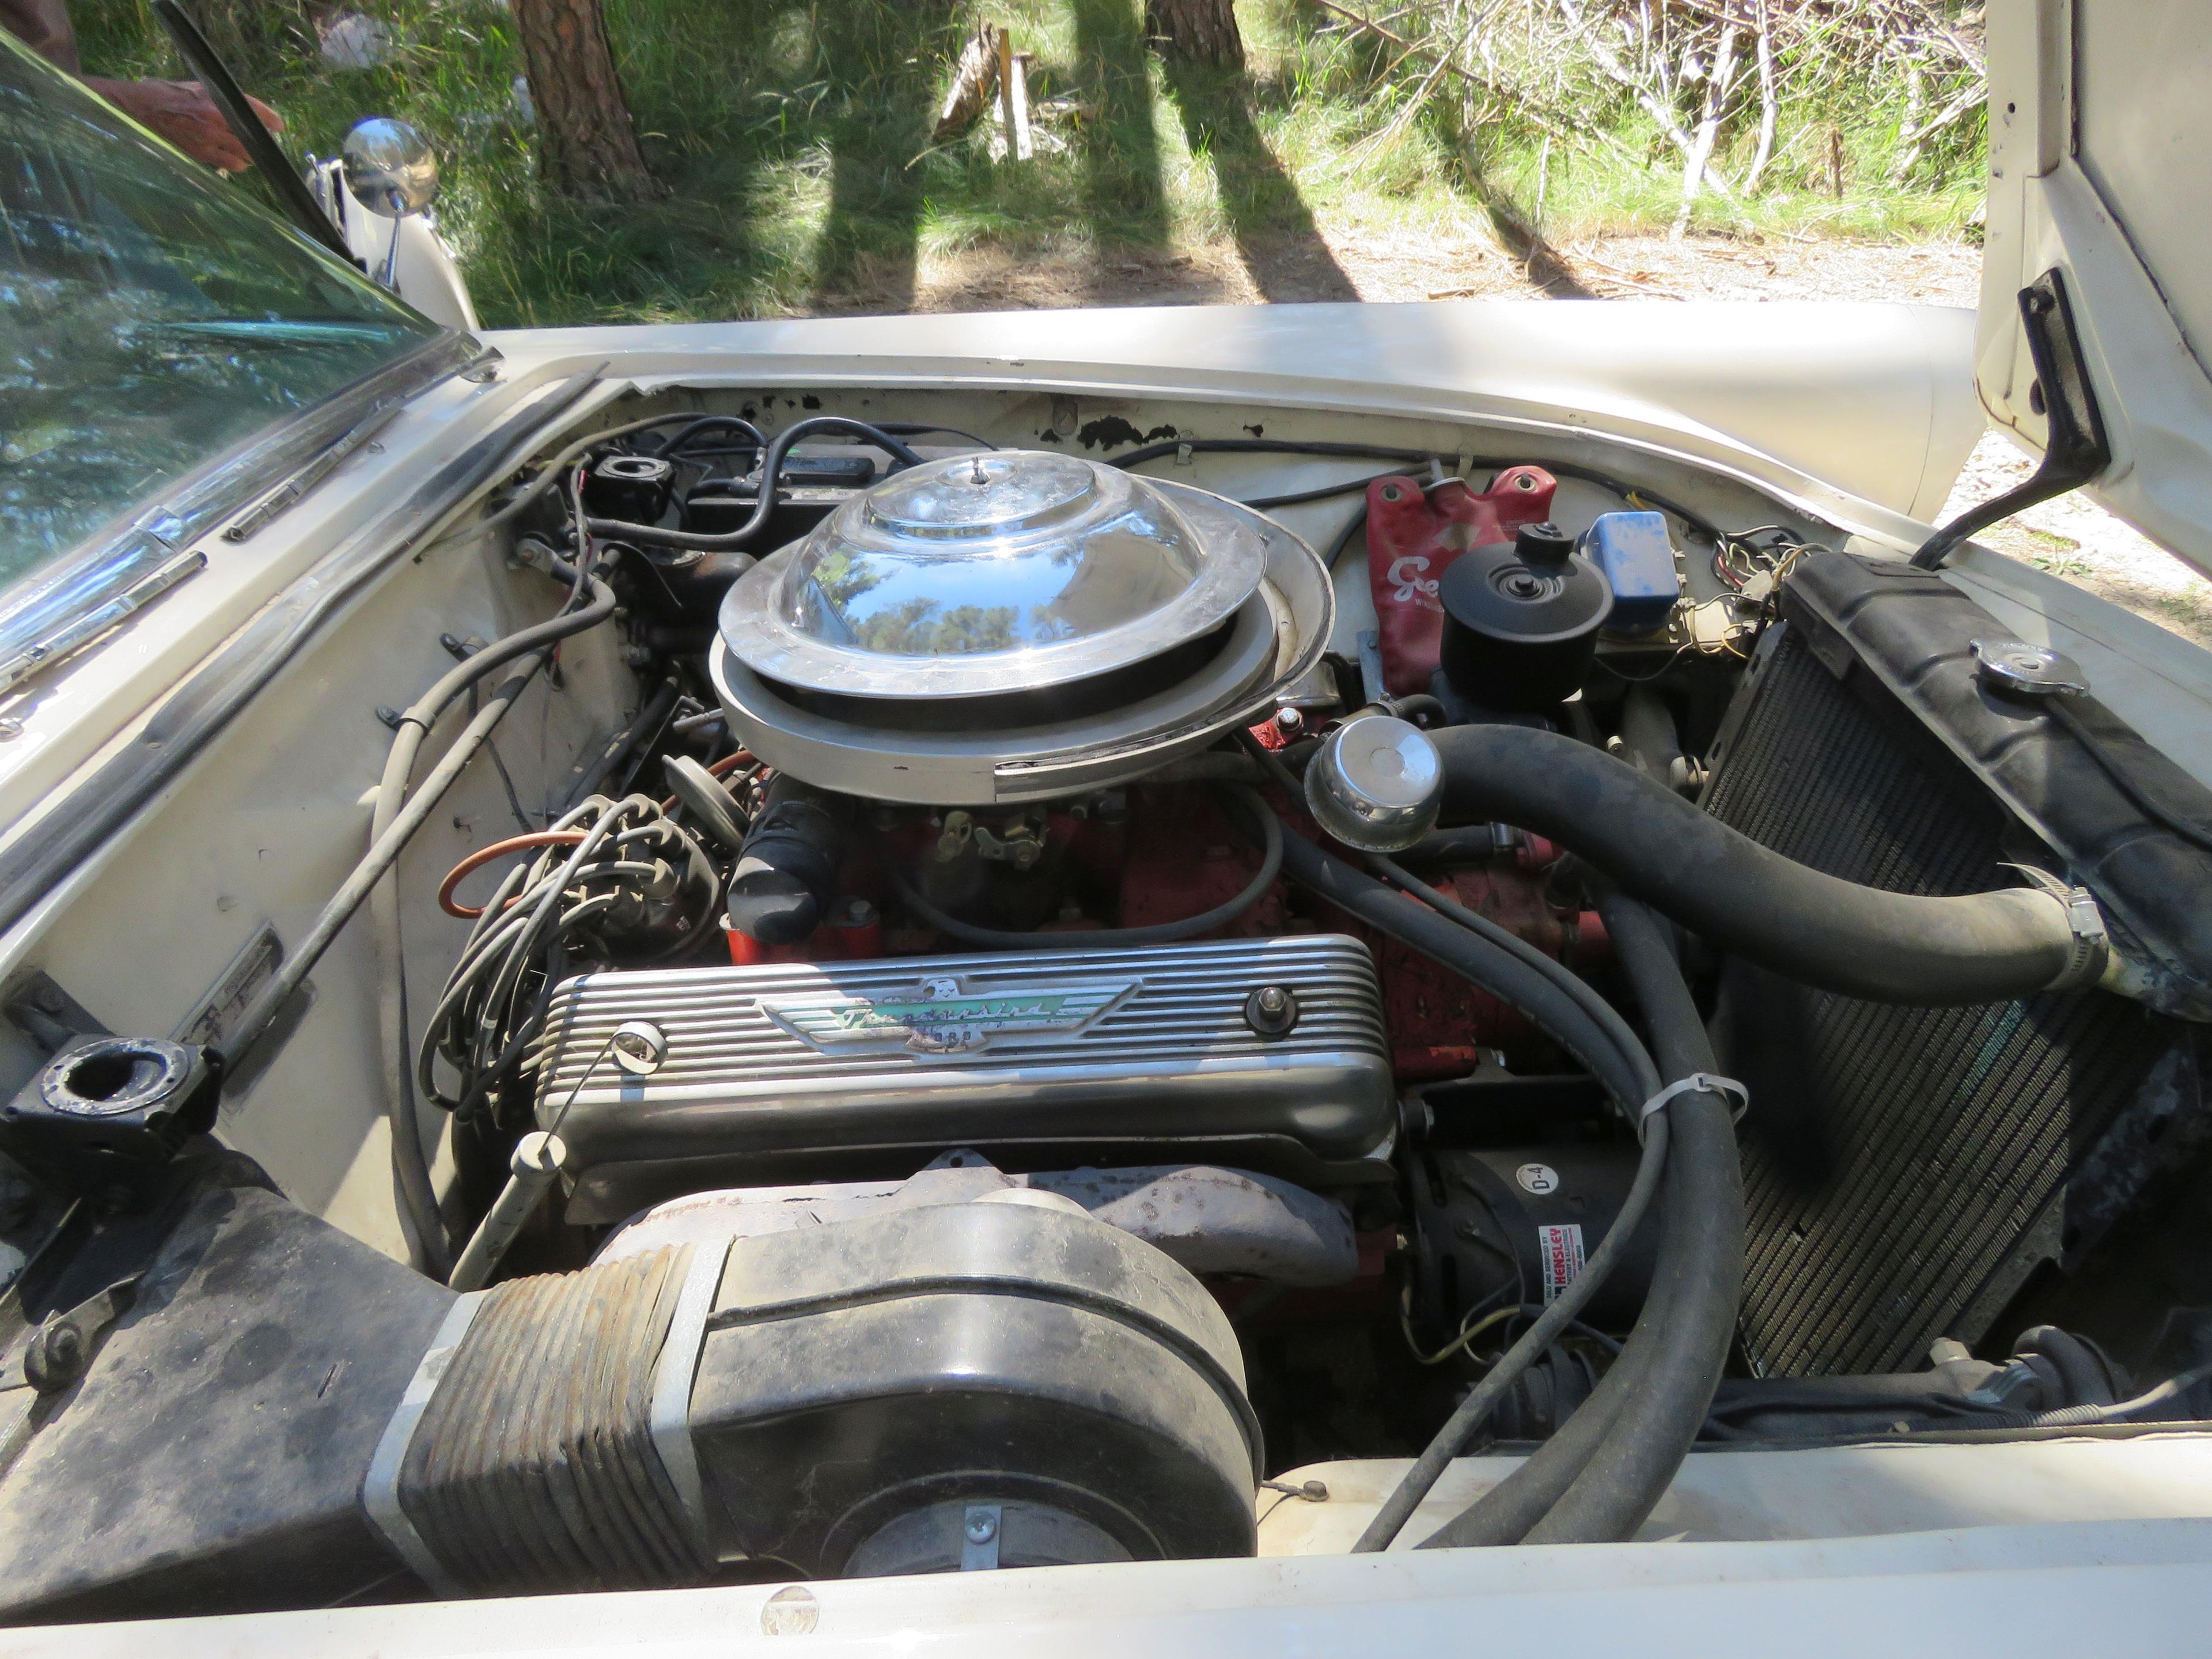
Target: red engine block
(1182, 859)
(1177, 854)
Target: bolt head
(981, 1530)
(1272, 1011)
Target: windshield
(153, 318)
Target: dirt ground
(2072, 536)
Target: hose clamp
(1697, 1083)
(2092, 943)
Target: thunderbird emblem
(940, 1016)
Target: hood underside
(2099, 167)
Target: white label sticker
(1560, 1249)
(1537, 1178)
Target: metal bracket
(2074, 449)
(61, 1348)
(211, 1022)
(37, 1007)
(979, 1527)
(672, 1378)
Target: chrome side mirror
(389, 168)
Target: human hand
(180, 111)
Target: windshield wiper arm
(289, 493)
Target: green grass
(794, 138)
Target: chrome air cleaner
(1010, 626)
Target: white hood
(2100, 165)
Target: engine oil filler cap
(1521, 621)
(1377, 783)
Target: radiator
(1906, 1171)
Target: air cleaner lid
(1006, 570)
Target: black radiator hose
(1597, 1479)
(1837, 935)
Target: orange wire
(484, 855)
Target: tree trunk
(1195, 32)
(587, 143)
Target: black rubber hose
(2081, 1373)
(672, 447)
(384, 850)
(1163, 933)
(1627, 1076)
(1320, 493)
(1701, 1249)
(1837, 935)
(1602, 1013)
(1699, 1264)
(647, 535)
(393, 826)
(1481, 1400)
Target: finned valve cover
(802, 1071)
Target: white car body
(1858, 417)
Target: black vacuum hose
(1160, 933)
(1702, 1253)
(1837, 935)
(1614, 1057)
(1650, 1403)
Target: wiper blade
(289, 493)
(73, 634)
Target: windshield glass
(153, 317)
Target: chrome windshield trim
(83, 595)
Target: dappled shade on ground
(792, 138)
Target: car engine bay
(1064, 1005)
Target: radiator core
(1905, 1170)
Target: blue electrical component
(1633, 551)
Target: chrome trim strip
(192, 716)
(70, 636)
(90, 577)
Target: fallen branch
(1658, 112)
(1719, 80)
(1544, 114)
(973, 84)
(1910, 142)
